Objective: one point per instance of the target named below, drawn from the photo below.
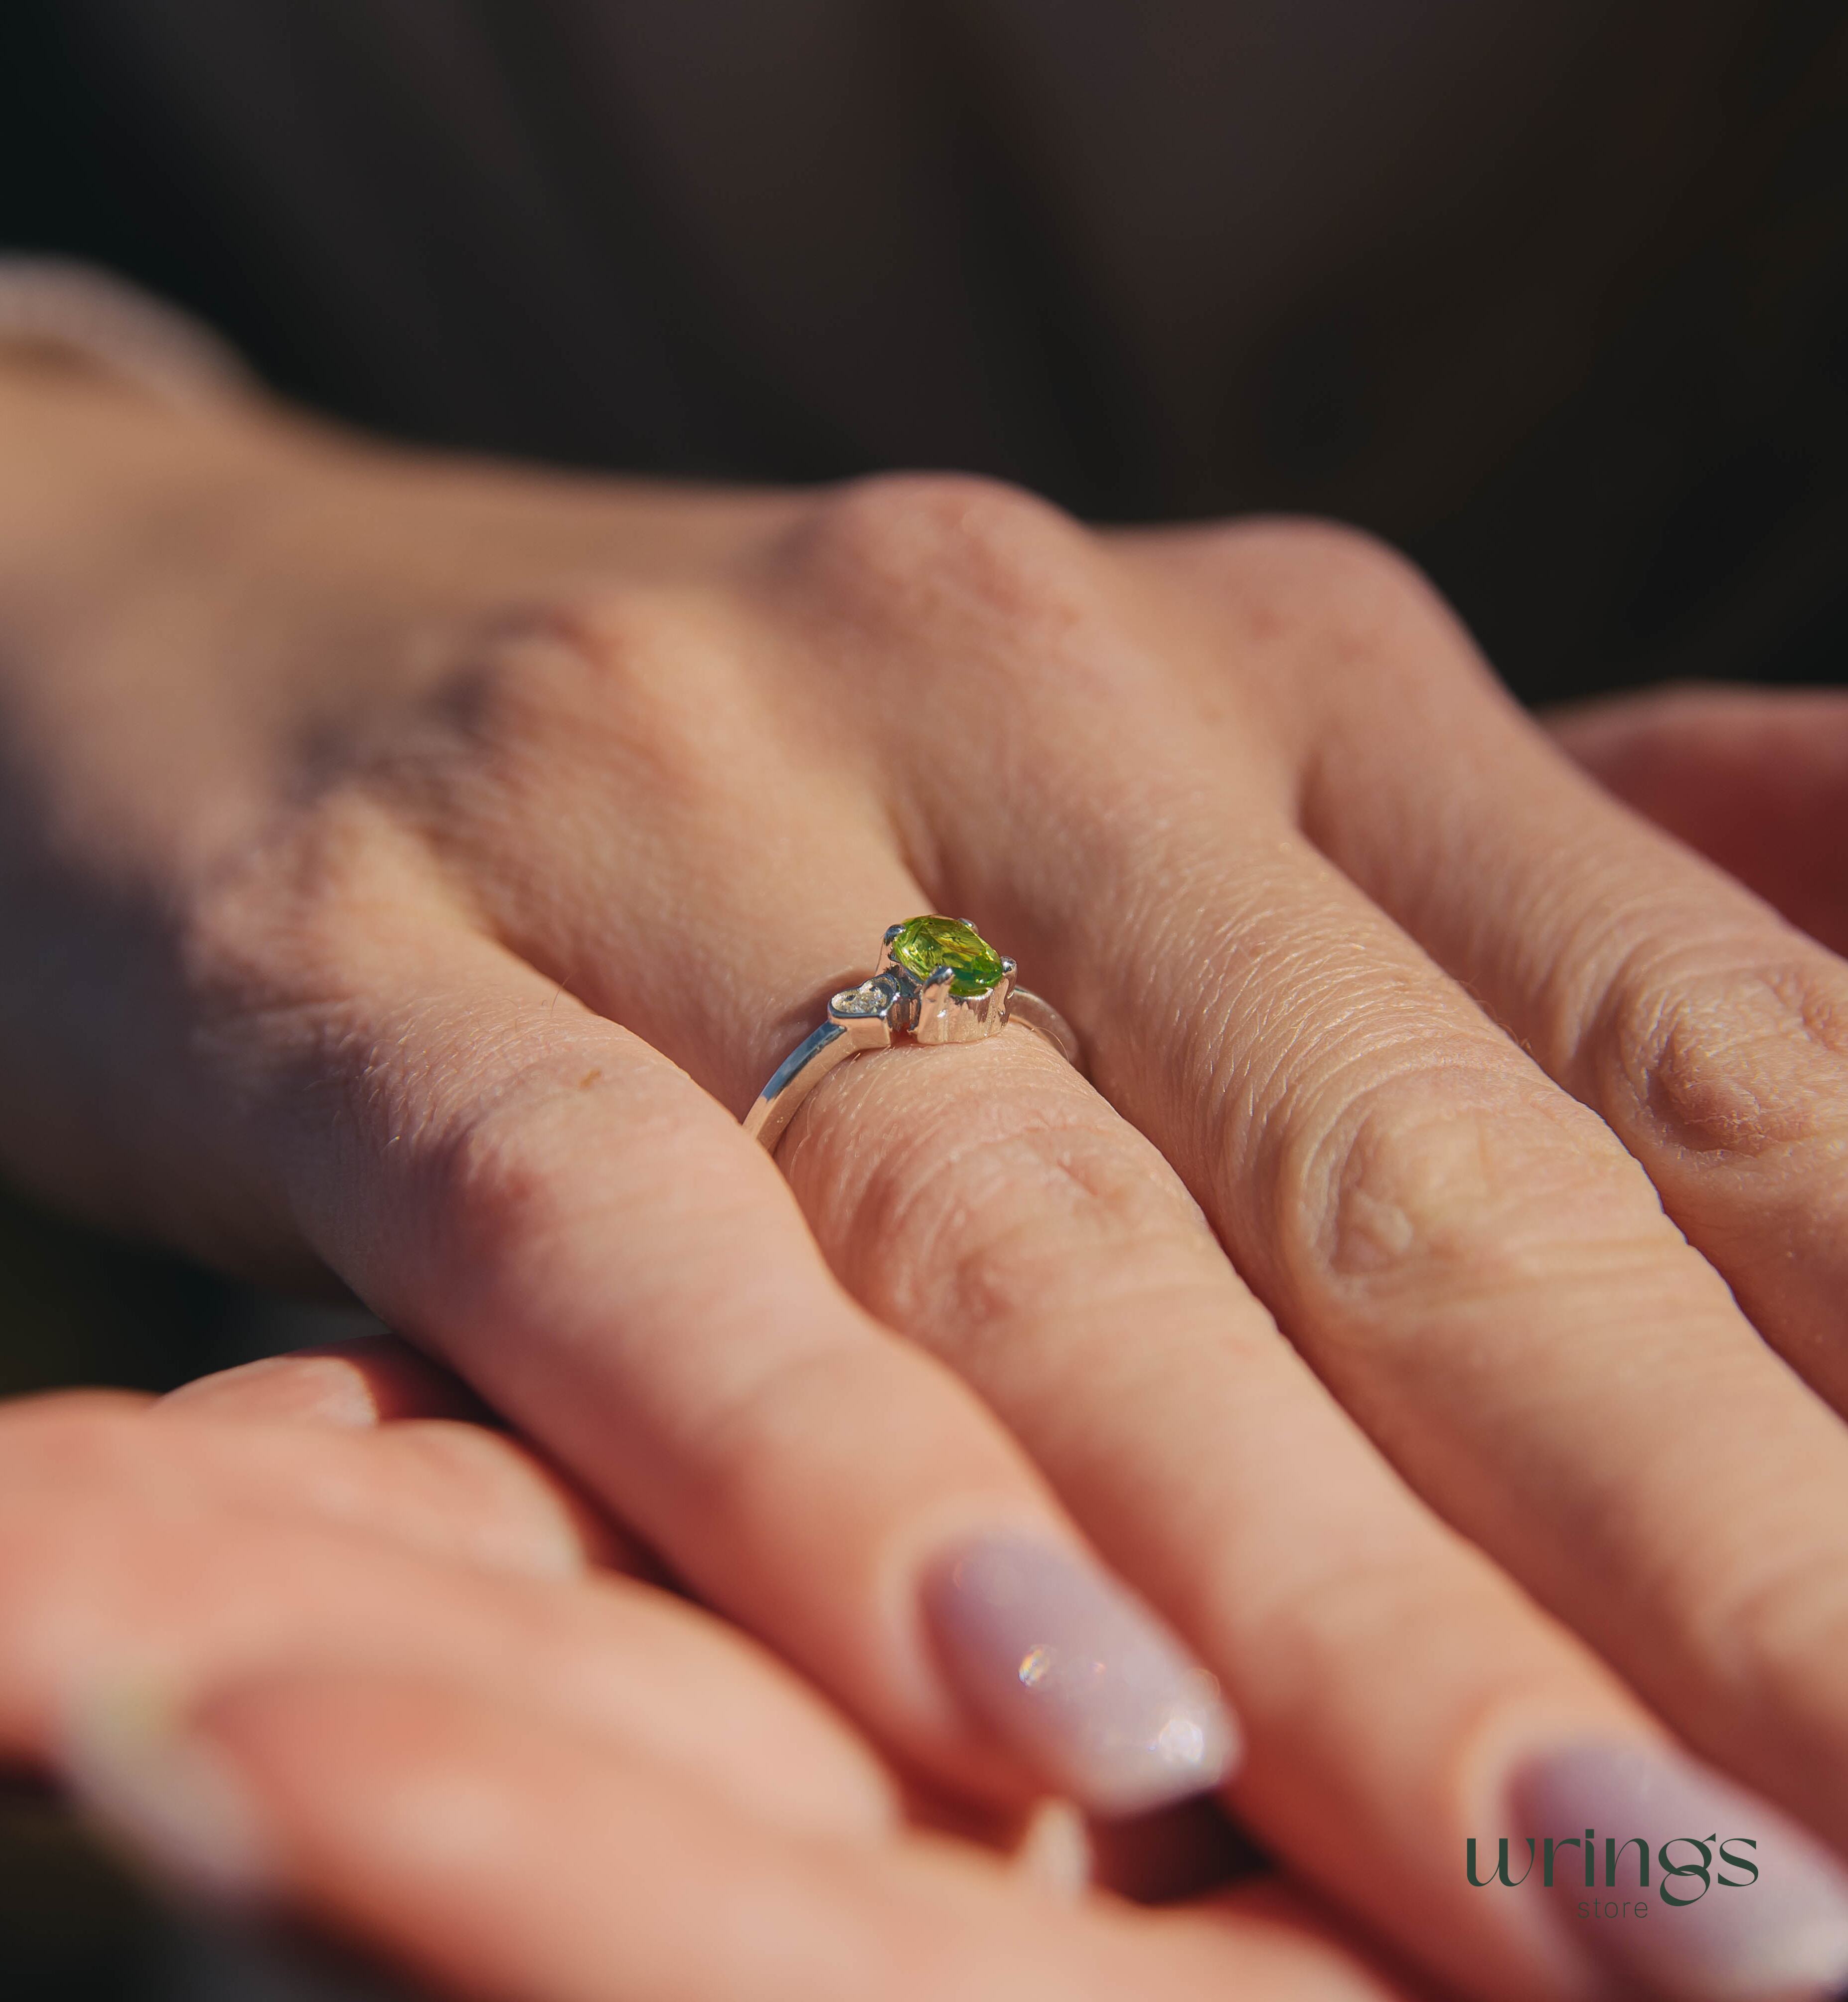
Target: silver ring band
(937, 981)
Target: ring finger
(986, 1201)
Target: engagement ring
(939, 981)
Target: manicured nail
(1733, 1903)
(169, 1802)
(1076, 1675)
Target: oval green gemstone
(925, 943)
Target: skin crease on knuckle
(1371, 1145)
(1450, 1209)
(964, 558)
(1446, 1182)
(500, 1181)
(1025, 1171)
(624, 761)
(1672, 1004)
(1743, 1066)
(1009, 613)
(906, 551)
(1439, 1233)
(555, 709)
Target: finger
(1755, 779)
(1395, 1685)
(1487, 1282)
(557, 1211)
(372, 1381)
(982, 1200)
(1466, 1253)
(109, 1584)
(1455, 1243)
(452, 1491)
(500, 1853)
(1576, 1389)
(1710, 1037)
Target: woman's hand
(416, 868)
(1756, 779)
(363, 1672)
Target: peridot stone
(925, 943)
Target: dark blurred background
(1553, 293)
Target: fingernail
(1076, 1675)
(1741, 1905)
(167, 1799)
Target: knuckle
(1319, 599)
(634, 687)
(1438, 1185)
(1727, 1064)
(947, 552)
(910, 524)
(554, 666)
(511, 1187)
(498, 1183)
(515, 733)
(964, 1219)
(1055, 1213)
(1335, 572)
(1402, 1191)
(285, 903)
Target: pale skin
(301, 1642)
(415, 868)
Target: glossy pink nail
(1674, 1877)
(1076, 1675)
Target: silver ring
(938, 980)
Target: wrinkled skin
(1429, 1303)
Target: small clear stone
(871, 997)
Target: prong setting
(943, 1016)
(913, 989)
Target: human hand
(307, 1649)
(1755, 778)
(355, 801)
